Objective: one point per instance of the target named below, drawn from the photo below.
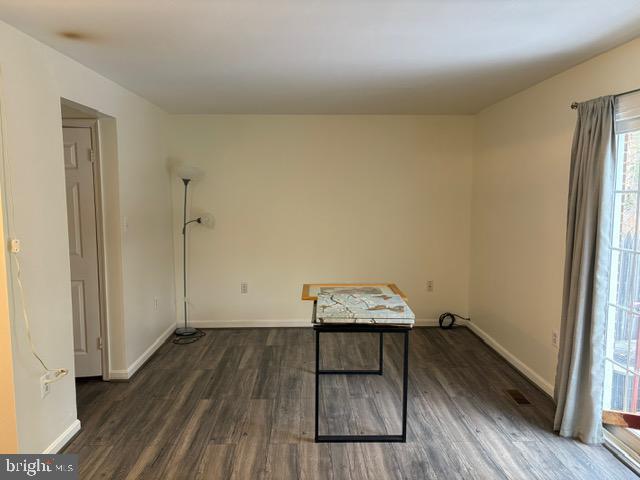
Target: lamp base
(185, 331)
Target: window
(622, 374)
(622, 357)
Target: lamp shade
(187, 172)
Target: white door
(83, 250)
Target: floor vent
(518, 397)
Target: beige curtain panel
(580, 371)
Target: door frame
(92, 124)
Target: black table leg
(405, 380)
(317, 379)
(405, 385)
(381, 356)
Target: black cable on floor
(184, 340)
(447, 320)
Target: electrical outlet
(555, 338)
(244, 288)
(429, 285)
(45, 387)
(14, 245)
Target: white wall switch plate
(429, 285)
(555, 338)
(244, 288)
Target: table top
(310, 291)
(363, 308)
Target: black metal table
(381, 329)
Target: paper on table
(363, 308)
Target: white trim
(140, 361)
(429, 322)
(59, 443)
(511, 358)
(267, 323)
(119, 375)
(622, 451)
(270, 323)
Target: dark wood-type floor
(239, 404)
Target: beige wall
(296, 199)
(34, 78)
(324, 198)
(520, 178)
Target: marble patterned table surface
(363, 308)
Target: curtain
(580, 371)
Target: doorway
(84, 221)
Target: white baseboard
(296, 322)
(292, 322)
(426, 322)
(63, 438)
(511, 358)
(135, 366)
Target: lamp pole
(186, 330)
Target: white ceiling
(327, 56)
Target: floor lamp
(188, 174)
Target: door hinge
(99, 343)
(92, 155)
